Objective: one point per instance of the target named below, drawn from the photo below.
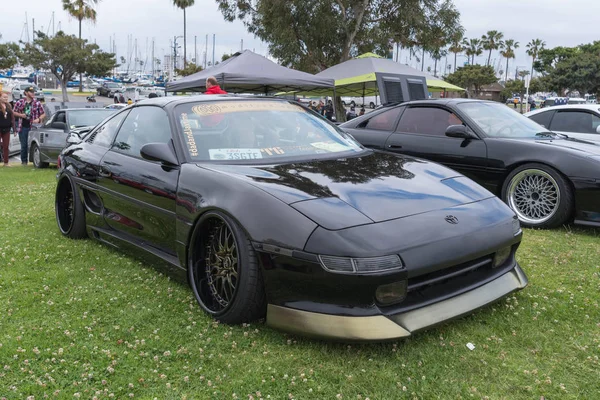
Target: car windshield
(81, 118)
(244, 131)
(498, 120)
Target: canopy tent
(358, 77)
(248, 72)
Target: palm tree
(533, 49)
(472, 48)
(183, 4)
(81, 9)
(508, 52)
(456, 46)
(523, 74)
(492, 41)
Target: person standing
(7, 122)
(212, 86)
(30, 111)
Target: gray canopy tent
(248, 72)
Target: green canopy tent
(359, 76)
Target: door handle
(104, 172)
(394, 146)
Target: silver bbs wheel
(36, 156)
(534, 196)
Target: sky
(557, 22)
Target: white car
(581, 121)
(367, 101)
(18, 92)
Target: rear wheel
(539, 195)
(372, 105)
(70, 214)
(224, 273)
(36, 157)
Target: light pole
(175, 47)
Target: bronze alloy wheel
(224, 272)
(217, 277)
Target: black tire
(247, 301)
(540, 196)
(70, 214)
(372, 105)
(36, 155)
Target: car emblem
(451, 219)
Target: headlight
(501, 256)
(346, 265)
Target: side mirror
(162, 152)
(459, 131)
(73, 137)
(58, 125)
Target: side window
(543, 118)
(60, 117)
(575, 121)
(143, 125)
(104, 134)
(49, 122)
(385, 121)
(427, 121)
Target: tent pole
(334, 104)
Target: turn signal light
(346, 265)
(391, 293)
(501, 256)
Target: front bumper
(587, 201)
(403, 324)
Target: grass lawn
(79, 320)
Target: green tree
(81, 10)
(522, 74)
(533, 49)
(472, 78)
(511, 88)
(472, 48)
(226, 56)
(10, 53)
(345, 27)
(456, 46)
(184, 4)
(440, 31)
(65, 55)
(508, 52)
(580, 72)
(189, 69)
(491, 41)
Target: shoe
(24, 164)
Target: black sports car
(548, 179)
(269, 210)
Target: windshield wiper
(551, 134)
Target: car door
(580, 124)
(53, 136)
(421, 132)
(140, 195)
(374, 131)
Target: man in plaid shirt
(30, 111)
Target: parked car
(268, 209)
(46, 142)
(18, 92)
(116, 106)
(580, 121)
(109, 89)
(548, 180)
(367, 101)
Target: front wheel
(36, 157)
(70, 214)
(539, 195)
(224, 273)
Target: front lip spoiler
(380, 327)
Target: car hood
(372, 187)
(581, 147)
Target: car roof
(591, 107)
(81, 109)
(446, 102)
(176, 100)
